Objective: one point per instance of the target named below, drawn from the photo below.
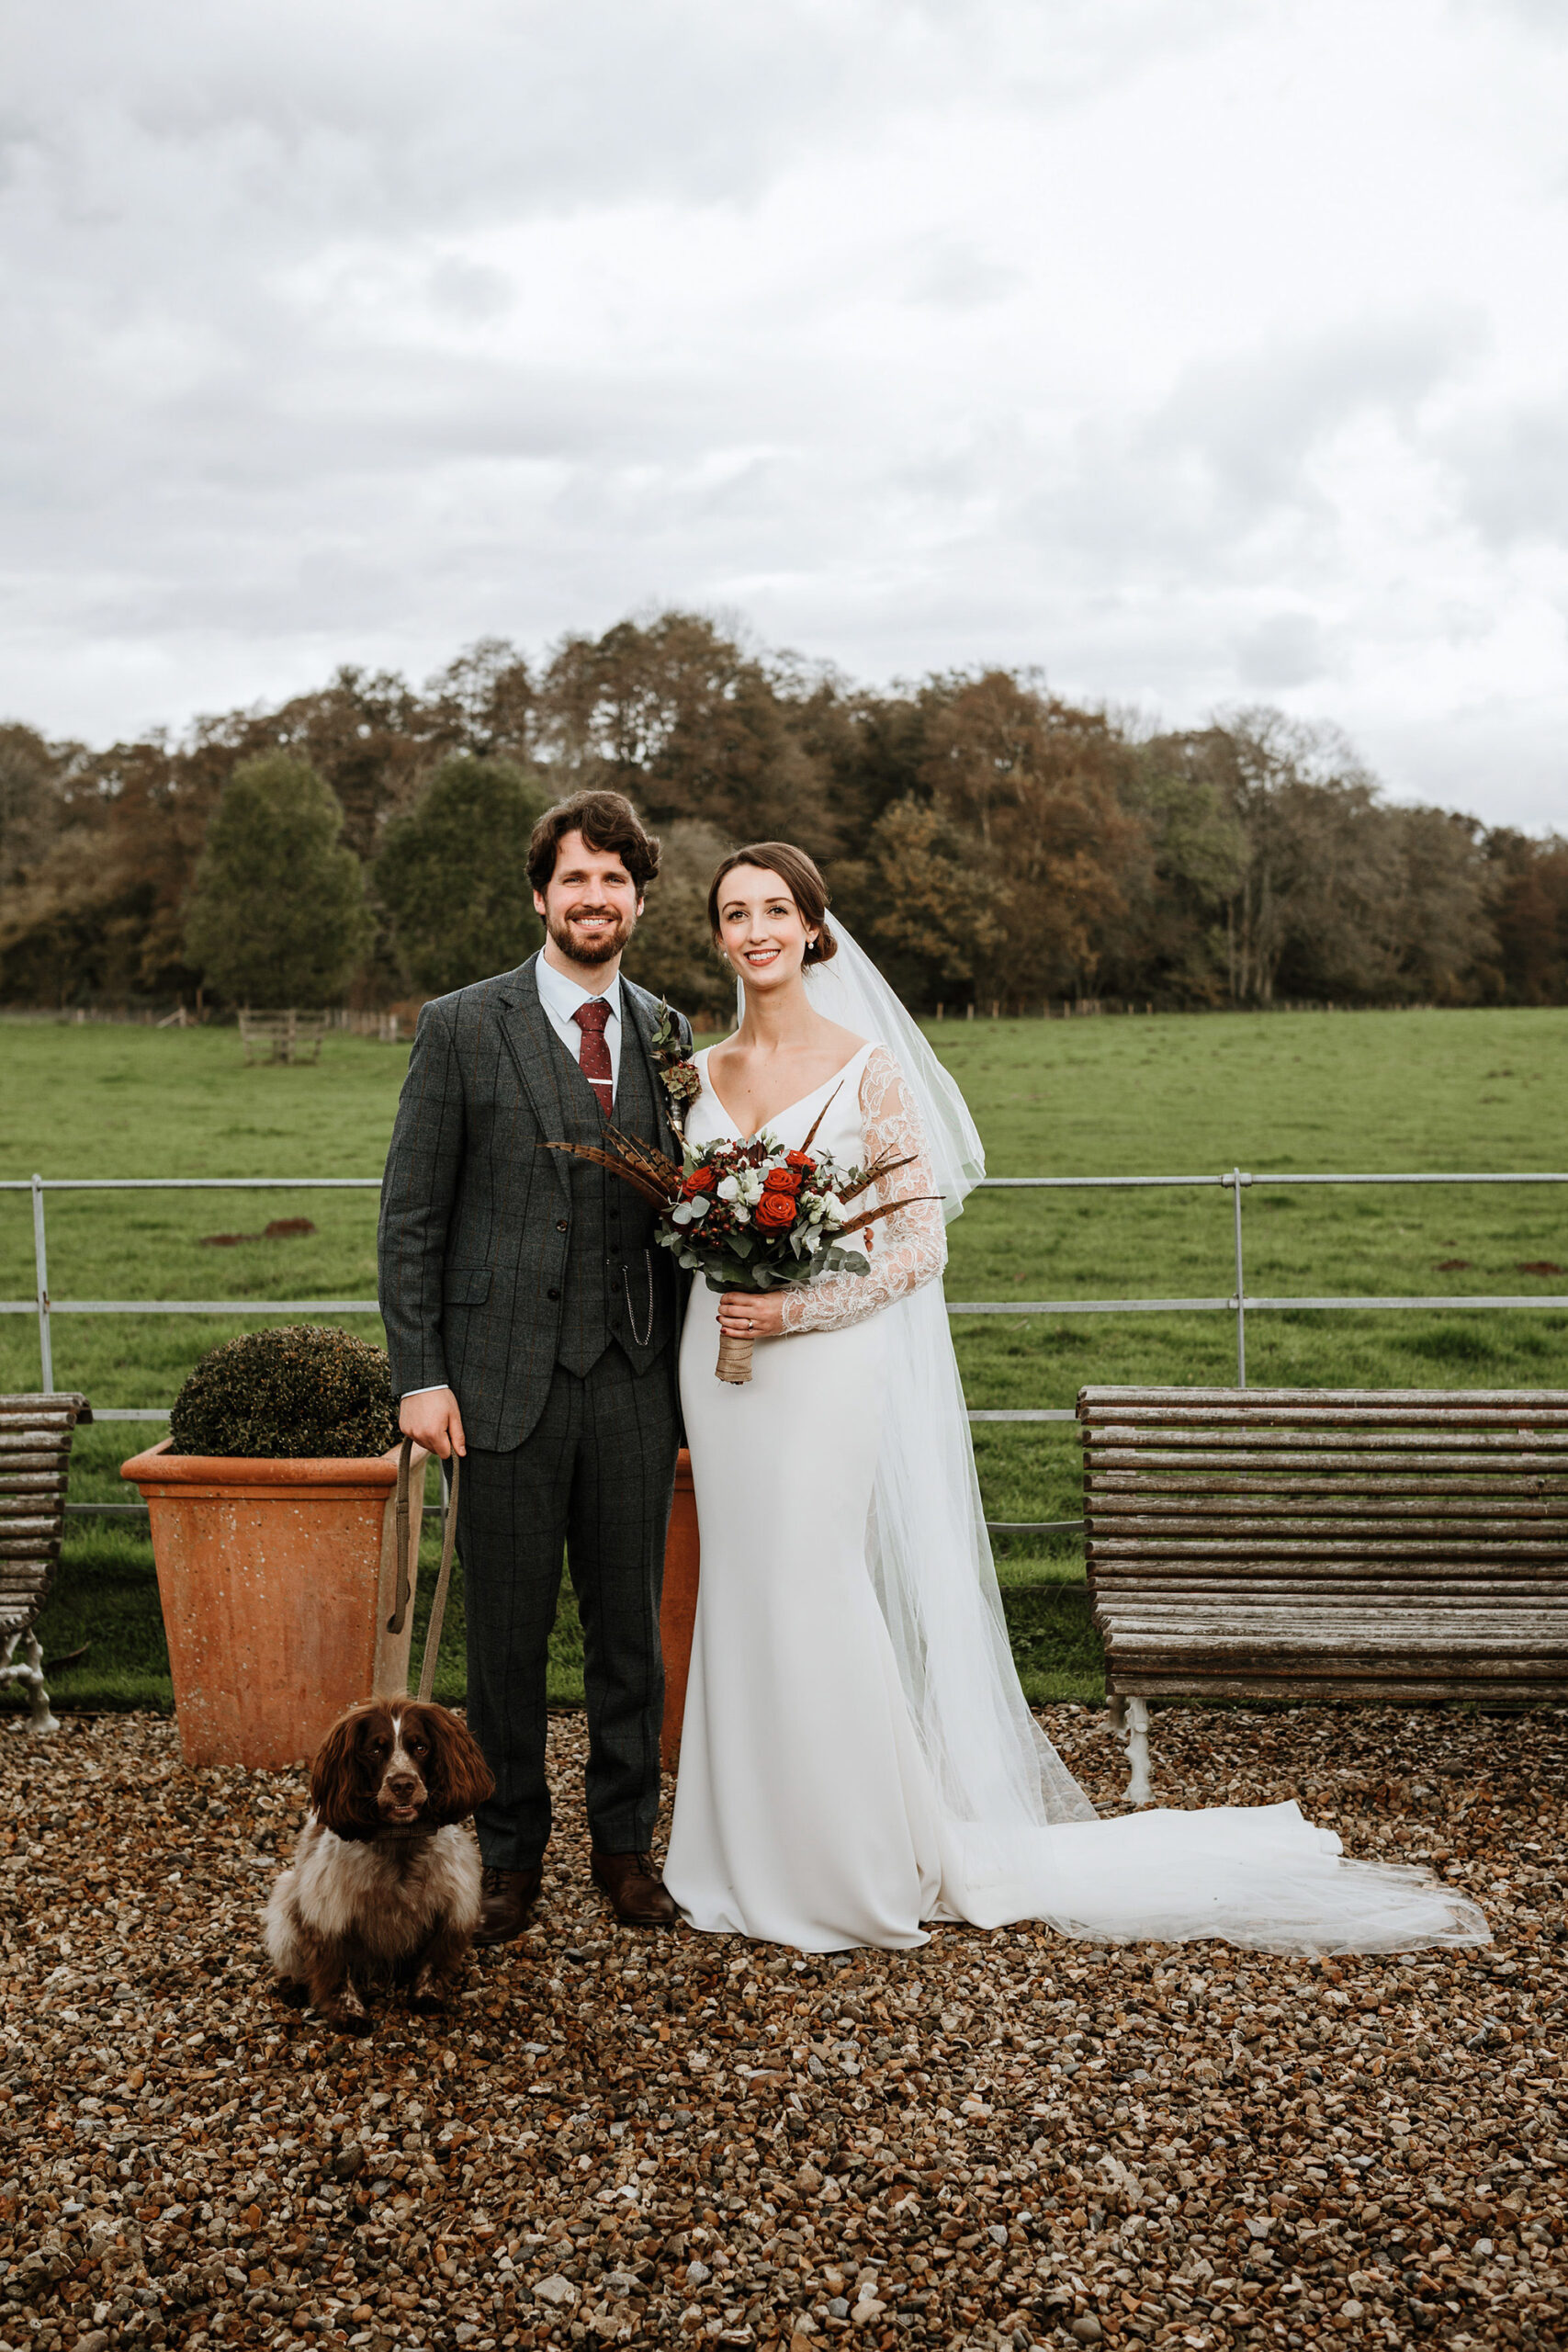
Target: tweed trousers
(594, 1477)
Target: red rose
(701, 1179)
(801, 1160)
(783, 1180)
(776, 1212)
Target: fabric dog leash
(438, 1606)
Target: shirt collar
(562, 995)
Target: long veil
(1019, 1838)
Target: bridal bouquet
(748, 1215)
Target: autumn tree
(927, 915)
(1527, 893)
(687, 725)
(276, 915)
(453, 873)
(1031, 786)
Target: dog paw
(347, 2020)
(297, 1996)
(430, 1996)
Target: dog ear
(459, 1777)
(343, 1803)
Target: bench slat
(1270, 1481)
(1145, 1510)
(1307, 1687)
(1242, 1420)
(1112, 1541)
(1102, 1396)
(1485, 1594)
(1329, 1453)
(1330, 1621)
(12, 1505)
(1464, 1675)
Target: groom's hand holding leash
(431, 1418)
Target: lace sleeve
(907, 1248)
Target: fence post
(40, 1273)
(1236, 1180)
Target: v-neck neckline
(784, 1113)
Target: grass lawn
(1170, 1094)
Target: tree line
(988, 841)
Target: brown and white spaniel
(384, 1886)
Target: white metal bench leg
(43, 1717)
(1137, 1737)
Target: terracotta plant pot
(278, 1579)
(678, 1609)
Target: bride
(857, 1757)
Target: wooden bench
(1405, 1545)
(35, 1455)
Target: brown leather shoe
(509, 1896)
(637, 1894)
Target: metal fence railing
(1239, 1304)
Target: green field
(1168, 1094)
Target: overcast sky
(1199, 351)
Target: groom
(532, 1323)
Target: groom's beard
(597, 947)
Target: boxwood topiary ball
(304, 1390)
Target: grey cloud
(1254, 421)
(1513, 471)
(1286, 650)
(1225, 473)
(955, 276)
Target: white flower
(729, 1188)
(751, 1186)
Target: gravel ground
(1004, 2139)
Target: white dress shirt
(560, 995)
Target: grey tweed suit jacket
(475, 1212)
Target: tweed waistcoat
(618, 1282)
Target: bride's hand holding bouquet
(751, 1217)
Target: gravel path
(1002, 2140)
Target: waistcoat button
(552, 1293)
(563, 1225)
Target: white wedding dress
(857, 1757)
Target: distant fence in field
(395, 1024)
(1239, 1304)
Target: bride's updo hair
(800, 876)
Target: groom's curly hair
(607, 823)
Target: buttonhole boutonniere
(678, 1073)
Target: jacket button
(552, 1293)
(563, 1225)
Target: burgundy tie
(591, 1019)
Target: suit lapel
(640, 1012)
(541, 1064)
